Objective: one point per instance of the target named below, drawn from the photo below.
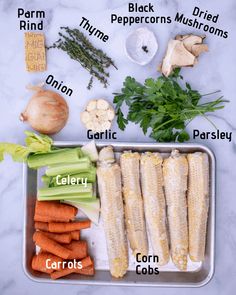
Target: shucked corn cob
(112, 212)
(198, 203)
(175, 172)
(134, 212)
(154, 204)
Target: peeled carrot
(41, 226)
(54, 211)
(75, 235)
(50, 245)
(87, 271)
(39, 262)
(60, 238)
(61, 273)
(39, 266)
(42, 218)
(60, 227)
(86, 262)
(79, 249)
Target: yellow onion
(47, 111)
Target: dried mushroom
(182, 52)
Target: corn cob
(198, 203)
(175, 172)
(112, 212)
(154, 204)
(134, 212)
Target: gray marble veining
(215, 70)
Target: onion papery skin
(47, 112)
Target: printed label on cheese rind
(35, 56)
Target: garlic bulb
(98, 115)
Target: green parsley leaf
(162, 105)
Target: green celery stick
(54, 157)
(62, 197)
(65, 190)
(84, 200)
(83, 165)
(46, 179)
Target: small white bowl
(141, 46)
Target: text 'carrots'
(39, 262)
(86, 262)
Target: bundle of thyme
(79, 48)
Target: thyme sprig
(79, 48)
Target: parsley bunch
(163, 106)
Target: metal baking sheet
(198, 274)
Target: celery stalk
(91, 209)
(65, 190)
(54, 157)
(46, 180)
(79, 196)
(82, 165)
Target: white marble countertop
(215, 70)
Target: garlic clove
(85, 117)
(89, 125)
(102, 104)
(92, 105)
(110, 114)
(105, 126)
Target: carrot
(60, 238)
(87, 271)
(61, 273)
(79, 249)
(42, 218)
(60, 227)
(39, 262)
(54, 211)
(41, 225)
(86, 262)
(75, 235)
(50, 246)
(39, 266)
